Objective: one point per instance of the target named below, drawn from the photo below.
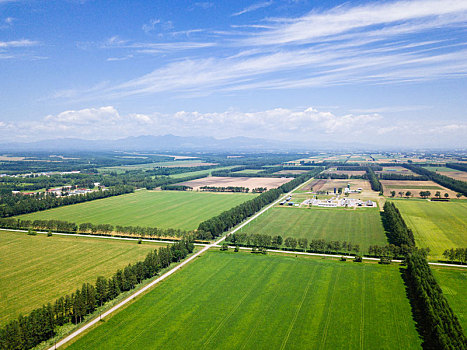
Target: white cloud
(253, 7)
(18, 43)
(308, 125)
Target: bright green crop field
(164, 209)
(453, 282)
(436, 225)
(35, 270)
(229, 300)
(361, 226)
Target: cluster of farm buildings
(338, 202)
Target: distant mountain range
(170, 143)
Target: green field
(249, 171)
(145, 166)
(164, 209)
(439, 168)
(38, 269)
(436, 225)
(454, 285)
(229, 300)
(361, 226)
(200, 172)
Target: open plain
(229, 300)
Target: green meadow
(361, 226)
(35, 270)
(453, 282)
(436, 225)
(164, 209)
(229, 300)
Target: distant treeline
(374, 182)
(88, 228)
(439, 324)
(28, 331)
(225, 189)
(339, 176)
(455, 185)
(23, 204)
(228, 219)
(396, 229)
(176, 188)
(359, 167)
(457, 166)
(389, 176)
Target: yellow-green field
(436, 225)
(164, 209)
(35, 270)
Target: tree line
(440, 326)
(239, 189)
(455, 185)
(28, 331)
(101, 229)
(389, 176)
(292, 244)
(374, 182)
(21, 204)
(228, 219)
(457, 166)
(360, 167)
(176, 188)
(339, 176)
(395, 227)
(456, 255)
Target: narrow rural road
(165, 275)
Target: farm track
(165, 275)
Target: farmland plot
(228, 300)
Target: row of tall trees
(453, 184)
(28, 331)
(89, 228)
(20, 204)
(240, 189)
(456, 254)
(359, 167)
(403, 177)
(440, 325)
(457, 166)
(396, 229)
(228, 219)
(374, 182)
(292, 243)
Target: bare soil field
(250, 182)
(415, 187)
(457, 175)
(330, 184)
(285, 172)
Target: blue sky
(388, 73)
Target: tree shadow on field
(417, 313)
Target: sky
(383, 73)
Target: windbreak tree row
(20, 204)
(28, 331)
(374, 182)
(396, 229)
(441, 326)
(228, 219)
(452, 184)
(89, 228)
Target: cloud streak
(253, 7)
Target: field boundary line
(102, 236)
(165, 275)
